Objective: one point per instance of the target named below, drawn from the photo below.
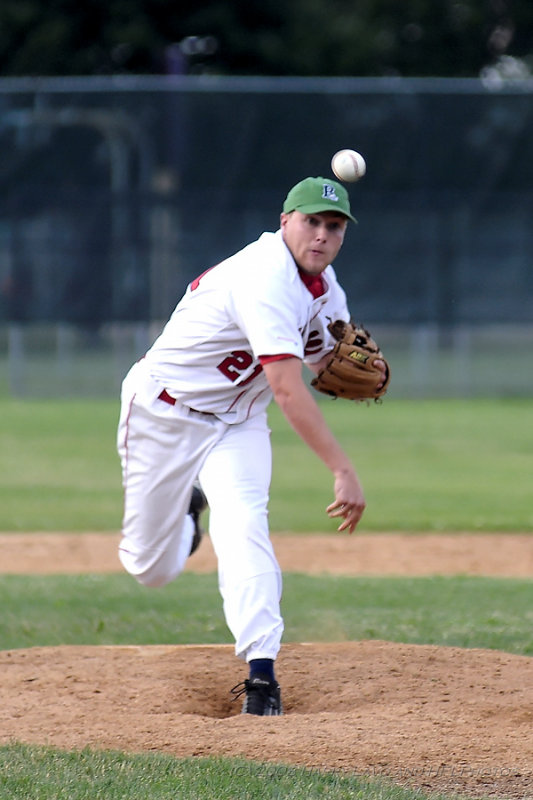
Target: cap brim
(317, 209)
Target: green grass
(428, 465)
(58, 466)
(113, 609)
(42, 773)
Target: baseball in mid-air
(348, 165)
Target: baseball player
(193, 426)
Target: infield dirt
(439, 718)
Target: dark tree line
(262, 37)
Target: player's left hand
(382, 366)
(356, 368)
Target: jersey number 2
(236, 363)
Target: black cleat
(263, 696)
(197, 505)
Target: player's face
(313, 239)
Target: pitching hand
(349, 501)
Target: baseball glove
(351, 370)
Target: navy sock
(263, 666)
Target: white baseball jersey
(250, 305)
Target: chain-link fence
(116, 192)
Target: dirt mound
(443, 719)
(438, 718)
(508, 555)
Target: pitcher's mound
(444, 719)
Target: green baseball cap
(313, 195)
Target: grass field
(112, 609)
(426, 466)
(457, 465)
(38, 773)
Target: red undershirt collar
(314, 283)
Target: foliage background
(264, 37)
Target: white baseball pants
(163, 449)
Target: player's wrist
(344, 471)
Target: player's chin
(314, 264)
